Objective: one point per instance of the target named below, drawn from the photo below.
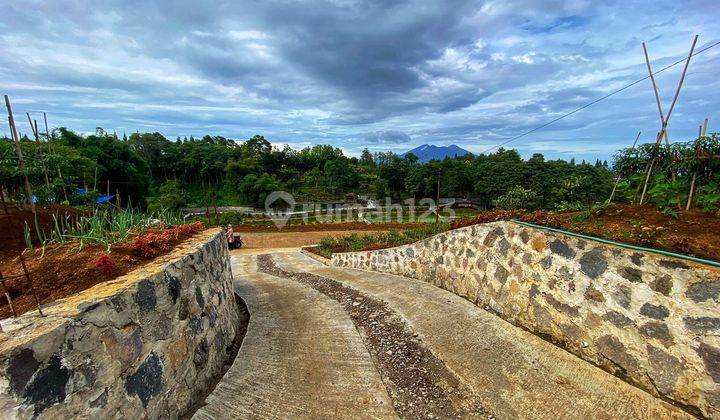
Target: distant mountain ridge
(428, 152)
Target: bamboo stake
(702, 130)
(18, 150)
(655, 90)
(667, 118)
(35, 132)
(7, 296)
(617, 180)
(2, 198)
(50, 150)
(29, 280)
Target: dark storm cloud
(354, 73)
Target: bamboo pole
(7, 296)
(29, 280)
(655, 90)
(50, 150)
(2, 198)
(18, 150)
(617, 179)
(34, 128)
(702, 131)
(667, 118)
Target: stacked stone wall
(146, 345)
(650, 319)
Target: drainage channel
(418, 383)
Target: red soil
(64, 269)
(693, 233)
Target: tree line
(150, 169)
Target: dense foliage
(149, 169)
(677, 169)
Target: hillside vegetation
(149, 169)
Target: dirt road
(254, 241)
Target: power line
(598, 100)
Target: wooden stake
(655, 89)
(33, 127)
(667, 118)
(2, 198)
(617, 180)
(29, 280)
(702, 130)
(7, 296)
(18, 150)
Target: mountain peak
(428, 152)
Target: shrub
(668, 196)
(516, 198)
(709, 198)
(105, 264)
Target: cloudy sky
(387, 75)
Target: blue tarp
(101, 199)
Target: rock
(501, 274)
(664, 370)
(504, 246)
(703, 324)
(700, 292)
(561, 248)
(200, 357)
(674, 264)
(637, 258)
(199, 297)
(632, 274)
(174, 286)
(711, 358)
(592, 293)
(492, 236)
(611, 347)
(145, 296)
(410, 252)
(593, 263)
(654, 311)
(21, 366)
(658, 331)
(146, 382)
(48, 385)
(525, 236)
(546, 262)
(623, 295)
(561, 307)
(617, 319)
(662, 284)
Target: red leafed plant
(105, 264)
(152, 244)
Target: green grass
(360, 242)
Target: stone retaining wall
(653, 320)
(145, 345)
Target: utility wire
(589, 104)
